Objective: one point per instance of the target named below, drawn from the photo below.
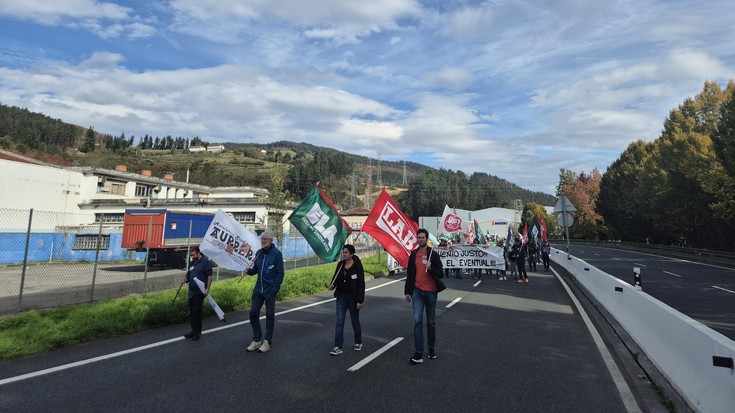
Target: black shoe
(190, 334)
(432, 354)
(417, 358)
(196, 337)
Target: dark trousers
(195, 313)
(270, 315)
(521, 263)
(545, 257)
(532, 262)
(346, 302)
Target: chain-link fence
(51, 259)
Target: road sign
(560, 220)
(564, 204)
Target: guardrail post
(637, 278)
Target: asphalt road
(502, 347)
(704, 292)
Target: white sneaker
(335, 352)
(265, 347)
(254, 345)
(358, 347)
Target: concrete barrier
(695, 359)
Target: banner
(229, 244)
(471, 256)
(510, 240)
(450, 222)
(321, 225)
(392, 228)
(479, 236)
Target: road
(502, 346)
(704, 292)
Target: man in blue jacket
(201, 269)
(268, 264)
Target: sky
(517, 89)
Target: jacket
(354, 277)
(269, 267)
(437, 270)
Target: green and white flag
(319, 222)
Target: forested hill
(345, 176)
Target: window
(142, 190)
(89, 242)
(244, 216)
(111, 218)
(117, 189)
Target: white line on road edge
(456, 300)
(156, 344)
(631, 406)
(671, 273)
(375, 355)
(640, 265)
(723, 289)
(477, 283)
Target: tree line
(676, 190)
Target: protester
(348, 284)
(512, 252)
(501, 273)
(521, 260)
(200, 269)
(422, 286)
(268, 264)
(532, 248)
(545, 253)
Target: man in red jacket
(422, 287)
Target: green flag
(321, 225)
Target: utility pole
(368, 190)
(405, 178)
(380, 177)
(353, 192)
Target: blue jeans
(424, 299)
(347, 302)
(270, 315)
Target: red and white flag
(450, 222)
(392, 228)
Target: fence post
(188, 245)
(25, 261)
(147, 253)
(96, 257)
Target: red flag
(543, 229)
(392, 228)
(524, 234)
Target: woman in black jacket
(349, 290)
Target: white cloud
(339, 20)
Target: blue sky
(517, 89)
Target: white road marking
(616, 259)
(375, 355)
(477, 283)
(671, 273)
(640, 265)
(157, 344)
(631, 406)
(723, 289)
(674, 259)
(456, 300)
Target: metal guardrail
(695, 254)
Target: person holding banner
(268, 264)
(422, 286)
(348, 284)
(201, 269)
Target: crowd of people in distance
(515, 255)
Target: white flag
(229, 244)
(450, 222)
